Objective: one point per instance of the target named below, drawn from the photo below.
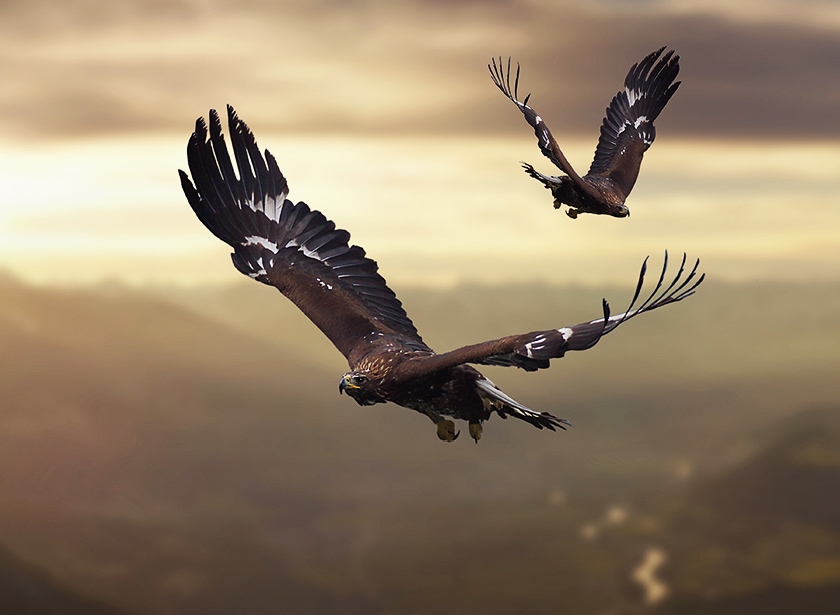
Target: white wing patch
(545, 138)
(261, 271)
(323, 284)
(632, 96)
(254, 240)
(306, 251)
(310, 253)
(270, 206)
(616, 317)
(273, 206)
(642, 119)
(538, 343)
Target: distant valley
(170, 451)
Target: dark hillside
(189, 453)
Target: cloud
(75, 68)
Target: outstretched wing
(288, 245)
(627, 131)
(532, 351)
(548, 146)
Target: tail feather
(504, 405)
(549, 181)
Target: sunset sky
(383, 116)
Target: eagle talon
(475, 431)
(446, 431)
(572, 212)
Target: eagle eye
(358, 378)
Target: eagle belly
(451, 392)
(565, 192)
(463, 393)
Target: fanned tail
(549, 181)
(504, 405)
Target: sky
(383, 116)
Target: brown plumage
(297, 250)
(626, 134)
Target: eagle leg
(446, 430)
(475, 431)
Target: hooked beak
(345, 383)
(622, 211)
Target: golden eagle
(300, 252)
(626, 134)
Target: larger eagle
(626, 134)
(300, 252)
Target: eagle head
(619, 211)
(614, 202)
(360, 387)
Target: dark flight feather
(629, 118)
(548, 146)
(275, 239)
(532, 351)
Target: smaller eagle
(242, 200)
(626, 134)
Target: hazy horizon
(478, 219)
